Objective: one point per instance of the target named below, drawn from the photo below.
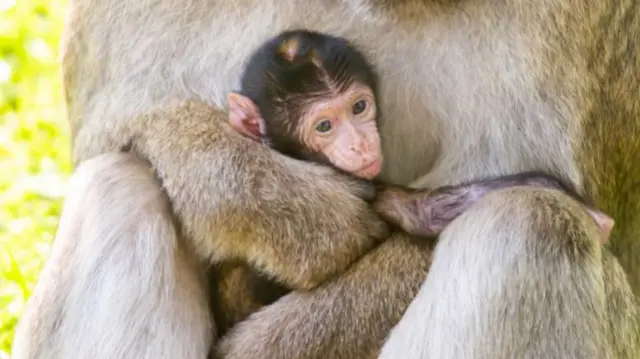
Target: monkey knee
(117, 240)
(116, 184)
(546, 219)
(528, 234)
(109, 171)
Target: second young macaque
(312, 96)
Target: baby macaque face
(340, 126)
(343, 128)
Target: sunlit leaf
(34, 149)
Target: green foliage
(34, 149)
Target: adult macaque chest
(311, 96)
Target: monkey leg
(348, 317)
(119, 283)
(520, 275)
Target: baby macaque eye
(323, 126)
(359, 107)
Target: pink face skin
(342, 127)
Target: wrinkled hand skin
(422, 213)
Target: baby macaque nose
(359, 149)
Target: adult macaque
(468, 89)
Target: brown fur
(232, 294)
(284, 329)
(470, 88)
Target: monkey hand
(399, 208)
(364, 189)
(421, 213)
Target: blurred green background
(34, 149)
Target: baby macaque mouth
(372, 169)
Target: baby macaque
(311, 96)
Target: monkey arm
(348, 317)
(238, 199)
(427, 212)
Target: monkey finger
(397, 208)
(376, 227)
(365, 190)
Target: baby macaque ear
(245, 117)
(605, 224)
